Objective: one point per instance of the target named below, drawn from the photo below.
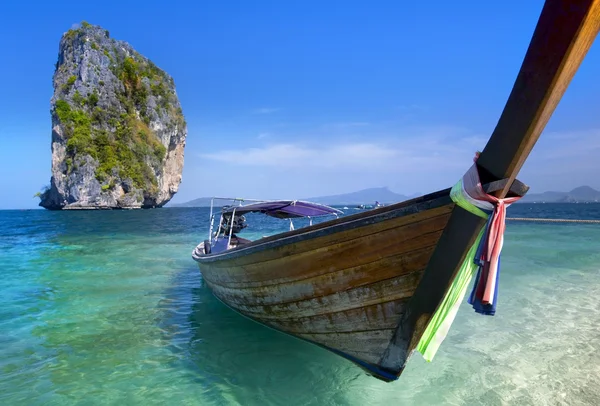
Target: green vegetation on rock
(78, 98)
(67, 86)
(92, 99)
(123, 153)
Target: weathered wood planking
(379, 316)
(365, 235)
(331, 258)
(344, 299)
(368, 357)
(330, 282)
(327, 289)
(370, 342)
(399, 287)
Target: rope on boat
(553, 220)
(482, 260)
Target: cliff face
(118, 131)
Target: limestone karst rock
(118, 131)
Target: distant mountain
(365, 196)
(582, 194)
(201, 202)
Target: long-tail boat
(377, 285)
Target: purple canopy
(284, 209)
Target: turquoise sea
(108, 307)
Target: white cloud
(261, 136)
(425, 152)
(418, 159)
(342, 156)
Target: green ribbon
(442, 319)
(457, 195)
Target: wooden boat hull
(342, 284)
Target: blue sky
(299, 99)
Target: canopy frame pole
(231, 226)
(212, 221)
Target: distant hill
(200, 202)
(365, 196)
(582, 194)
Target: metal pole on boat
(231, 225)
(212, 221)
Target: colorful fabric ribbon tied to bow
(483, 259)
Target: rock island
(118, 130)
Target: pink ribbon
(495, 240)
(495, 236)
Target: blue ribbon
(489, 309)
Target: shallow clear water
(108, 307)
